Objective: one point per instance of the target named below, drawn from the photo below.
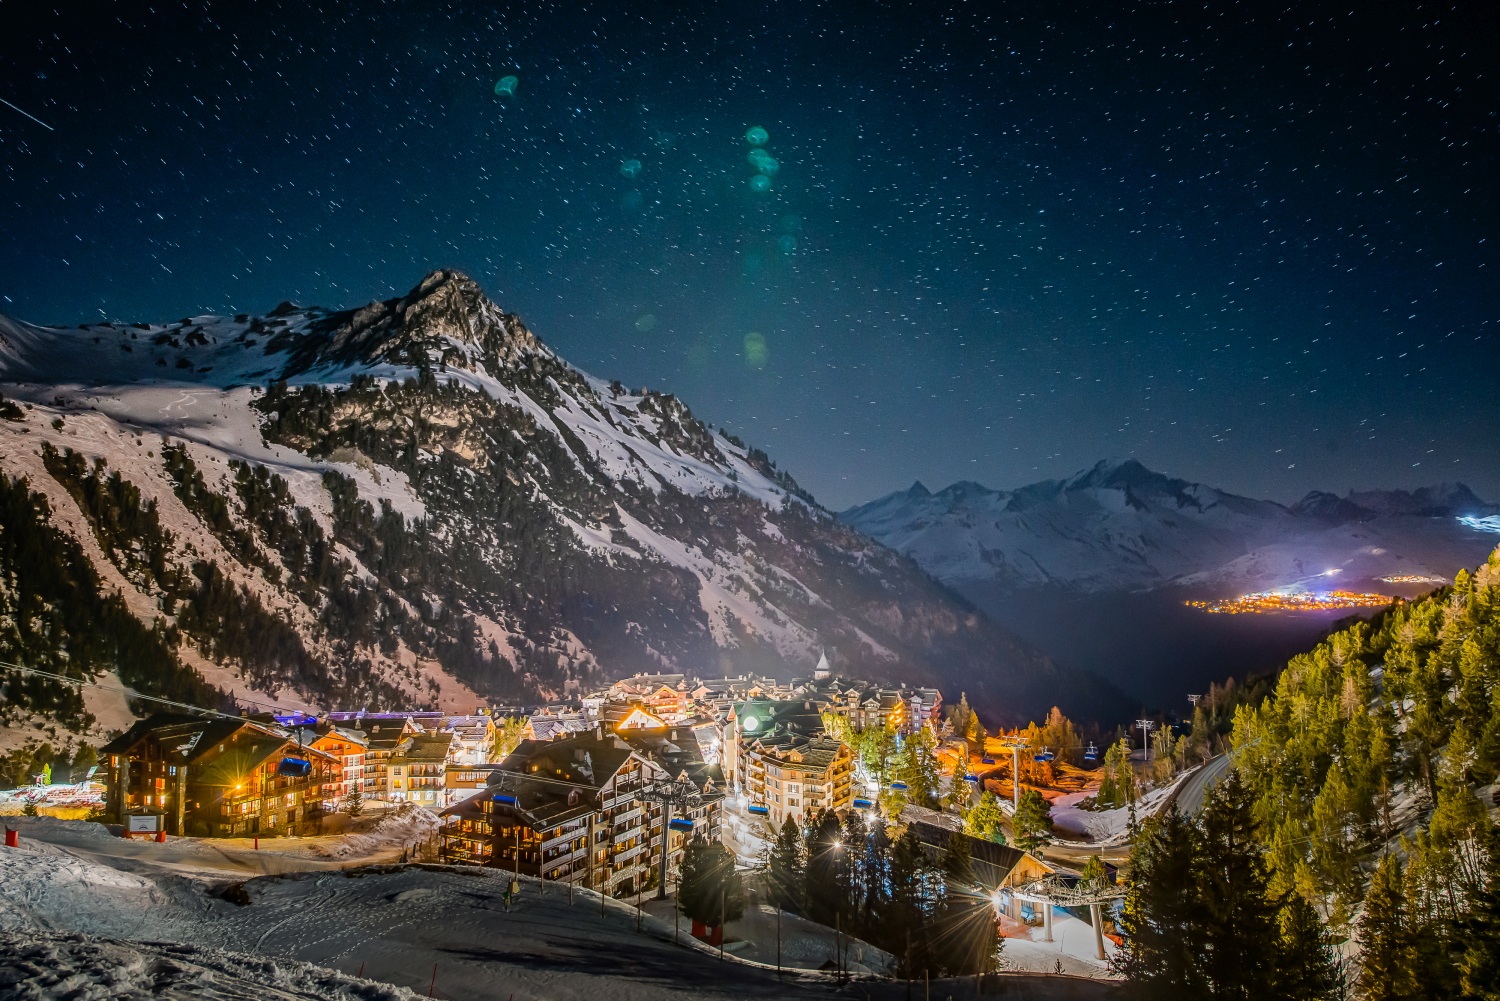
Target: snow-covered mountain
(417, 501)
(1121, 527)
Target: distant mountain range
(1121, 527)
(1094, 569)
(417, 502)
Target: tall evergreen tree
(784, 871)
(823, 896)
(1163, 919)
(907, 928)
(709, 887)
(1241, 937)
(1033, 820)
(1387, 966)
(1479, 965)
(1308, 969)
(985, 819)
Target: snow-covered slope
(418, 502)
(1122, 527)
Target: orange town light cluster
(1301, 601)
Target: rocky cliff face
(418, 502)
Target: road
(1193, 792)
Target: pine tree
(785, 870)
(1479, 965)
(822, 896)
(1033, 821)
(354, 801)
(906, 923)
(1163, 919)
(965, 922)
(709, 887)
(1388, 958)
(1240, 932)
(1308, 969)
(985, 819)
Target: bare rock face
(417, 502)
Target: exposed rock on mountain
(418, 502)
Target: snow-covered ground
(1071, 950)
(1106, 828)
(87, 915)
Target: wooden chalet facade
(572, 810)
(215, 777)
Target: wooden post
(1047, 919)
(1098, 917)
(778, 940)
(721, 922)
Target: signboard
(142, 823)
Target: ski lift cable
(131, 693)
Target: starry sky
(1250, 246)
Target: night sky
(999, 241)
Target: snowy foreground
(84, 914)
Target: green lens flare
(760, 182)
(646, 322)
(756, 136)
(506, 86)
(756, 352)
(768, 165)
(787, 244)
(630, 169)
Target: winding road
(1193, 793)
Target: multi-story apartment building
(776, 754)
(216, 777)
(417, 770)
(574, 809)
(348, 746)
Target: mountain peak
(918, 490)
(445, 320)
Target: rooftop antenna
(1195, 699)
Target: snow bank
(42, 967)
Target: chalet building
(776, 754)
(462, 781)
(998, 868)
(572, 809)
(549, 725)
(473, 738)
(865, 705)
(217, 777)
(417, 770)
(348, 746)
(382, 737)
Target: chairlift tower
(1146, 725)
(1195, 699)
(1017, 744)
(667, 793)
